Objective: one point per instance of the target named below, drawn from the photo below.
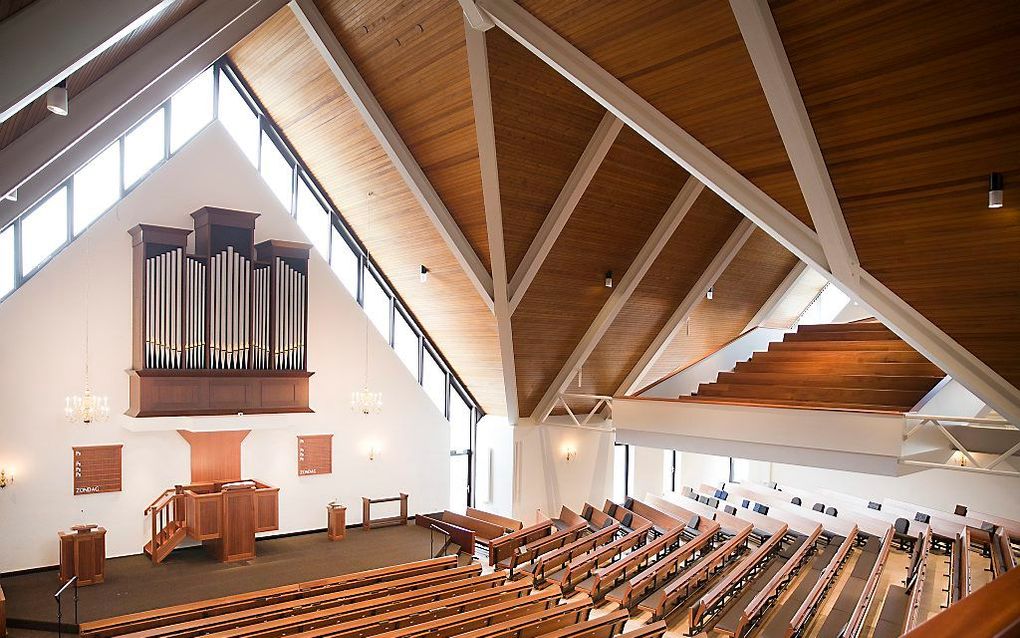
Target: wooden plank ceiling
(914, 104)
(290, 78)
(84, 77)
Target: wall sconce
(570, 453)
(373, 451)
(6, 477)
(423, 274)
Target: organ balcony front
(222, 330)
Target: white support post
(697, 292)
(123, 96)
(776, 297)
(478, 69)
(476, 18)
(589, 162)
(51, 39)
(343, 68)
(752, 202)
(621, 293)
(761, 37)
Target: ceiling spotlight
(995, 190)
(423, 273)
(710, 292)
(56, 98)
(12, 196)
(609, 279)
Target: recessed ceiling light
(995, 183)
(609, 279)
(56, 98)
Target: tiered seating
(837, 366)
(581, 568)
(859, 590)
(557, 559)
(607, 626)
(792, 620)
(605, 578)
(525, 545)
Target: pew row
(605, 578)
(792, 622)
(503, 547)
(557, 559)
(582, 568)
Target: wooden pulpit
(336, 521)
(83, 554)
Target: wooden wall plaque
(315, 454)
(97, 469)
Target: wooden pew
(661, 521)
(800, 519)
(447, 625)
(227, 604)
(462, 530)
(508, 524)
(854, 620)
(556, 559)
(605, 626)
(628, 519)
(604, 578)
(662, 601)
(993, 610)
(545, 544)
(653, 630)
(375, 599)
(505, 546)
(868, 520)
(628, 593)
(581, 568)
(556, 617)
(801, 618)
(597, 519)
(916, 587)
(777, 584)
(712, 602)
(344, 622)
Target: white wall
(494, 471)
(42, 328)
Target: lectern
(83, 554)
(336, 521)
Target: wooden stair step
(859, 326)
(777, 403)
(892, 398)
(919, 383)
(845, 357)
(839, 346)
(880, 368)
(842, 335)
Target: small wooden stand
(83, 554)
(336, 517)
(366, 512)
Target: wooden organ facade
(223, 330)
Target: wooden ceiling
(84, 77)
(912, 104)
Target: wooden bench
(661, 521)
(654, 576)
(597, 519)
(712, 602)
(816, 589)
(341, 621)
(604, 578)
(581, 568)
(574, 527)
(992, 610)
(556, 559)
(915, 585)
(366, 512)
(605, 626)
(461, 529)
(227, 604)
(506, 545)
(857, 593)
(552, 619)
(662, 601)
(508, 524)
(628, 520)
(374, 599)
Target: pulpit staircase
(168, 529)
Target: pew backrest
(826, 579)
(856, 622)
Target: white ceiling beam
(761, 37)
(776, 297)
(621, 293)
(51, 39)
(56, 147)
(589, 162)
(379, 123)
(695, 295)
(476, 18)
(749, 200)
(478, 70)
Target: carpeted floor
(133, 584)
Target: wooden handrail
(911, 620)
(825, 581)
(856, 622)
(159, 498)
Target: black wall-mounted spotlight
(995, 183)
(423, 273)
(710, 293)
(609, 279)
(56, 98)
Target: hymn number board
(97, 469)
(315, 454)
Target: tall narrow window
(7, 260)
(405, 343)
(277, 171)
(239, 120)
(96, 187)
(377, 305)
(461, 423)
(143, 147)
(433, 380)
(191, 108)
(344, 262)
(669, 470)
(313, 219)
(44, 230)
(621, 472)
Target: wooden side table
(336, 516)
(83, 554)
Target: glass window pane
(344, 263)
(276, 171)
(96, 187)
(377, 305)
(405, 343)
(433, 380)
(313, 219)
(143, 147)
(459, 468)
(668, 468)
(240, 121)
(191, 108)
(7, 260)
(44, 230)
(619, 473)
(460, 422)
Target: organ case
(223, 330)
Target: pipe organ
(222, 330)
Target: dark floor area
(133, 584)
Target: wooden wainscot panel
(267, 509)
(315, 454)
(238, 539)
(232, 394)
(96, 469)
(210, 393)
